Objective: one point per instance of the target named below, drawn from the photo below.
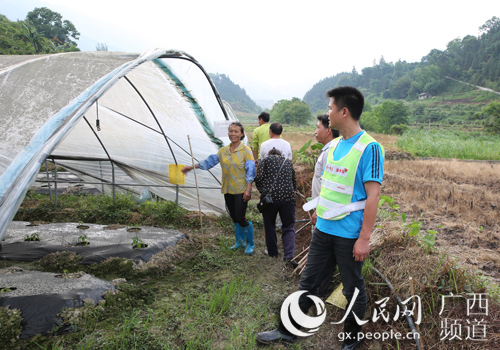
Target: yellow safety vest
(337, 186)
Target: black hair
(325, 121)
(274, 151)
(241, 127)
(276, 128)
(264, 116)
(350, 97)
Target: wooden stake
(301, 265)
(300, 229)
(302, 252)
(198, 195)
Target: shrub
(399, 129)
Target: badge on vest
(337, 170)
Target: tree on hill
(385, 116)
(292, 111)
(20, 38)
(28, 38)
(51, 25)
(234, 94)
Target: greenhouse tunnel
(116, 120)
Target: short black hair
(325, 121)
(264, 116)
(241, 127)
(274, 151)
(350, 97)
(276, 128)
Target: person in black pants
(275, 175)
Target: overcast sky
(273, 48)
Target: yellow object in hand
(175, 175)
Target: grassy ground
(188, 297)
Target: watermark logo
(290, 311)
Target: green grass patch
(450, 144)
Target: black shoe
(293, 264)
(352, 346)
(274, 337)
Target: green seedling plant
(31, 238)
(395, 215)
(427, 240)
(83, 239)
(138, 243)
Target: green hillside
(451, 79)
(234, 94)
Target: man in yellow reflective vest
(346, 210)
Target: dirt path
(479, 87)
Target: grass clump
(60, 261)
(10, 322)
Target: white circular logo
(291, 310)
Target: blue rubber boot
(240, 237)
(248, 231)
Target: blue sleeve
(209, 163)
(373, 163)
(249, 171)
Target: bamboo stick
(198, 195)
(302, 252)
(302, 227)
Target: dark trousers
(287, 214)
(326, 252)
(237, 208)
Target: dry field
(459, 199)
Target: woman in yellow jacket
(238, 173)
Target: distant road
(479, 87)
